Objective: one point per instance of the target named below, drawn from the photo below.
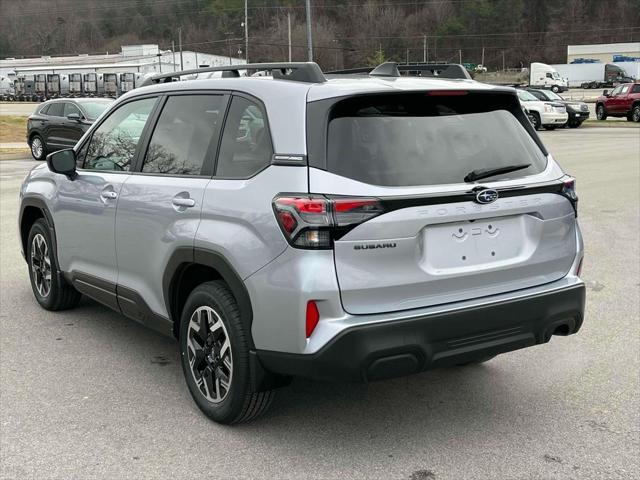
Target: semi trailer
(593, 75)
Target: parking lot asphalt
(89, 394)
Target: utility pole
(197, 66)
(309, 38)
(460, 56)
(407, 61)
(482, 62)
(289, 33)
(246, 32)
(424, 49)
(180, 46)
(173, 51)
(503, 69)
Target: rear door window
(185, 136)
(56, 109)
(418, 139)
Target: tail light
(315, 221)
(569, 191)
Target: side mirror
(605, 93)
(74, 116)
(63, 162)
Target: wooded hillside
(345, 33)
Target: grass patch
(13, 128)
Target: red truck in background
(623, 101)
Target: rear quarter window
(417, 139)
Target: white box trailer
(90, 84)
(75, 84)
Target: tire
(550, 127)
(574, 124)
(54, 294)
(535, 121)
(635, 114)
(555, 89)
(38, 148)
(601, 113)
(477, 361)
(213, 303)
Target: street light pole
(289, 33)
(180, 46)
(424, 49)
(246, 32)
(309, 38)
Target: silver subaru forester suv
(347, 227)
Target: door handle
(109, 195)
(184, 202)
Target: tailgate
(423, 256)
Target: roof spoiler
(307, 72)
(391, 69)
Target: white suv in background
(547, 115)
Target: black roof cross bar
(307, 72)
(440, 70)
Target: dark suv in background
(59, 124)
(578, 112)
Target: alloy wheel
(41, 265)
(36, 147)
(636, 114)
(209, 354)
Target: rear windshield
(418, 139)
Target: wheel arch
(189, 267)
(31, 209)
(33, 133)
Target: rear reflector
(313, 316)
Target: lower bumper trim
(402, 347)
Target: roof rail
(441, 70)
(308, 72)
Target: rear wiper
(492, 172)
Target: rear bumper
(402, 347)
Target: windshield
(526, 96)
(553, 96)
(93, 109)
(408, 140)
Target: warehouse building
(604, 53)
(141, 59)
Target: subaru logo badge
(486, 196)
